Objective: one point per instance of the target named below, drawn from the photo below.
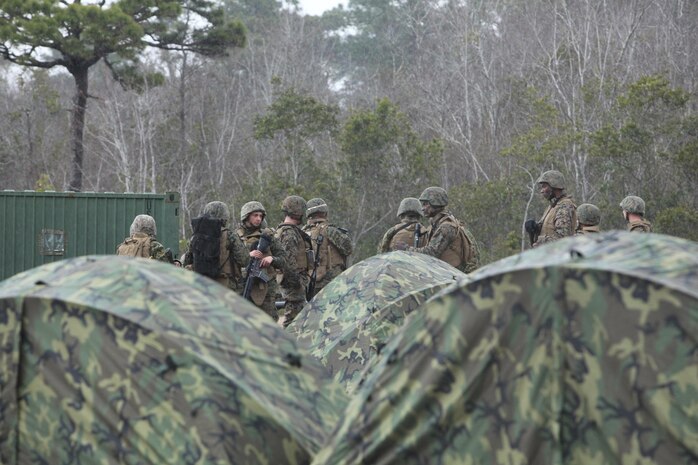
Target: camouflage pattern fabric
(559, 220)
(119, 360)
(295, 275)
(641, 225)
(347, 323)
(407, 227)
(131, 245)
(580, 352)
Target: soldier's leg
(295, 300)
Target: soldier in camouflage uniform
(560, 218)
(410, 213)
(233, 253)
(297, 247)
(634, 213)
(142, 241)
(335, 247)
(252, 217)
(588, 219)
(447, 237)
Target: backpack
(205, 245)
(136, 246)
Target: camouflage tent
(110, 360)
(353, 316)
(581, 352)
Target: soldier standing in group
(588, 219)
(232, 252)
(332, 245)
(298, 249)
(408, 230)
(252, 216)
(142, 241)
(447, 238)
(560, 218)
(634, 213)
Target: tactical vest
(406, 235)
(260, 288)
(303, 255)
(548, 222)
(642, 225)
(329, 254)
(137, 245)
(463, 252)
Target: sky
(317, 7)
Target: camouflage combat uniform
(263, 294)
(293, 279)
(444, 241)
(334, 251)
(143, 245)
(558, 221)
(641, 225)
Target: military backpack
(205, 245)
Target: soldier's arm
(563, 221)
(157, 252)
(439, 242)
(278, 254)
(289, 242)
(237, 249)
(384, 246)
(340, 240)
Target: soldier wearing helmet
(560, 218)
(331, 244)
(588, 219)
(294, 277)
(233, 254)
(408, 230)
(142, 241)
(447, 237)
(252, 226)
(634, 214)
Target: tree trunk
(77, 125)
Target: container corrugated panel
(42, 227)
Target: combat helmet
(588, 214)
(554, 178)
(143, 224)
(633, 204)
(217, 210)
(316, 205)
(436, 196)
(409, 205)
(251, 207)
(294, 205)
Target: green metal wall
(42, 227)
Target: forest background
(371, 103)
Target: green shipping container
(43, 227)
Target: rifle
(533, 229)
(417, 227)
(313, 277)
(254, 269)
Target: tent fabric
(110, 359)
(349, 321)
(580, 352)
